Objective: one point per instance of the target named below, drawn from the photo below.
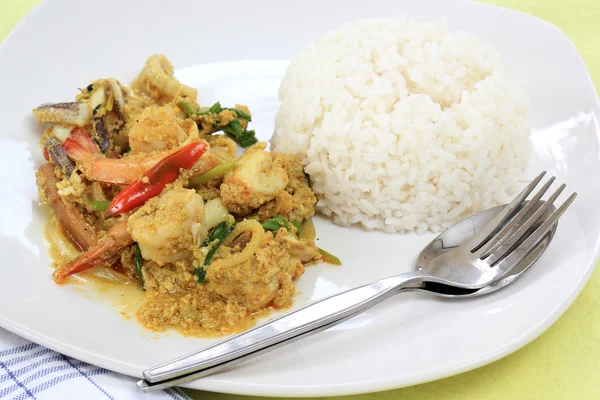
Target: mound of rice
(402, 125)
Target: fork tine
(505, 233)
(510, 242)
(495, 224)
(522, 229)
(510, 257)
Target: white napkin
(29, 371)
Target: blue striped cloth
(30, 371)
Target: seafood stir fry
(142, 185)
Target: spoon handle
(312, 318)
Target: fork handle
(312, 318)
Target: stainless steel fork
(481, 261)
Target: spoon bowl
(460, 234)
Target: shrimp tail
(106, 250)
(76, 151)
(83, 138)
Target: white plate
(410, 339)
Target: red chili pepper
(163, 173)
(45, 153)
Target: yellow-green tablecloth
(563, 363)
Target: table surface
(564, 362)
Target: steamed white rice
(403, 126)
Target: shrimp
(104, 252)
(254, 181)
(125, 170)
(70, 218)
(169, 227)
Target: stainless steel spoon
(460, 234)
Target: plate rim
(361, 387)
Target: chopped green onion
(215, 233)
(298, 226)
(234, 128)
(100, 205)
(247, 139)
(215, 108)
(240, 113)
(219, 236)
(219, 170)
(330, 258)
(189, 109)
(200, 275)
(275, 223)
(138, 266)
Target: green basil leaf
(234, 128)
(247, 139)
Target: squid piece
(101, 133)
(261, 267)
(106, 98)
(61, 132)
(74, 113)
(70, 218)
(97, 103)
(58, 155)
(157, 80)
(117, 93)
(104, 252)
